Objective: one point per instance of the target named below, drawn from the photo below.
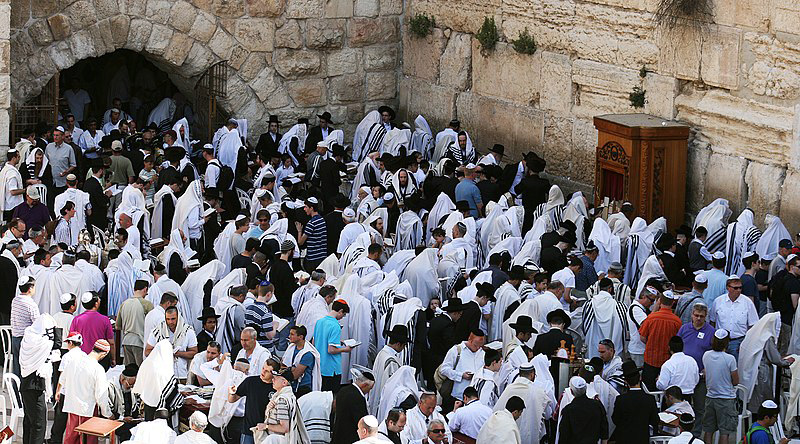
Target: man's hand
(467, 376)
(783, 441)
(57, 397)
(232, 390)
(299, 226)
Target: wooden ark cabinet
(642, 159)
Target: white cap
(701, 278)
(86, 297)
(388, 197)
(734, 277)
(348, 212)
(470, 166)
(496, 345)
(23, 280)
(66, 297)
(193, 263)
(260, 192)
(370, 421)
(769, 404)
(312, 200)
(208, 146)
(790, 257)
(240, 217)
(721, 333)
(60, 129)
(718, 255)
(577, 382)
(322, 143)
(748, 254)
(669, 294)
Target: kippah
(769, 404)
(388, 196)
(240, 217)
(370, 421)
(577, 382)
(348, 212)
(87, 297)
(527, 366)
(24, 280)
(748, 254)
(66, 297)
(686, 418)
(669, 294)
(721, 333)
(312, 200)
(734, 277)
(243, 361)
(103, 345)
(701, 278)
(718, 255)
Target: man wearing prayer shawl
(316, 309)
(231, 241)
(155, 430)
(283, 422)
(66, 278)
(85, 389)
(356, 325)
(386, 363)
(231, 322)
(120, 274)
(604, 318)
(188, 213)
(411, 313)
(505, 296)
(501, 427)
(164, 202)
(421, 275)
(11, 186)
(418, 418)
(757, 355)
(156, 384)
(81, 201)
(197, 424)
(537, 403)
(180, 335)
(369, 135)
(39, 348)
(743, 236)
(176, 255)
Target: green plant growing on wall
(637, 97)
(525, 43)
(421, 25)
(488, 35)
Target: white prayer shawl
(158, 208)
(620, 225)
(714, 218)
(736, 242)
(394, 140)
(229, 145)
(386, 363)
(457, 246)
(409, 231)
(752, 349)
(382, 299)
(417, 426)
(304, 294)
(299, 132)
(513, 245)
(552, 210)
(92, 280)
(311, 312)
(155, 374)
(793, 407)
(226, 334)
(190, 200)
(608, 245)
(396, 389)
(443, 207)
(492, 232)
(354, 252)
(454, 151)
(165, 284)
(422, 138)
(330, 266)
(398, 262)
(228, 244)
(289, 360)
(41, 274)
(65, 279)
(162, 114)
(356, 325)
(36, 352)
(192, 288)
(153, 431)
(221, 411)
(81, 201)
(279, 231)
(505, 295)
(176, 245)
(193, 437)
(133, 204)
(500, 428)
(362, 175)
(640, 247)
(364, 266)
(368, 137)
(222, 288)
(315, 408)
(775, 232)
(120, 273)
(8, 172)
(604, 318)
(536, 402)
(297, 431)
(24, 146)
(421, 275)
(651, 270)
(576, 212)
(184, 141)
(404, 313)
(529, 307)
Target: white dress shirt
(470, 418)
(256, 359)
(417, 425)
(468, 362)
(636, 316)
(735, 316)
(684, 438)
(680, 370)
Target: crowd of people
(400, 289)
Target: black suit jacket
(315, 137)
(441, 337)
(534, 191)
(335, 224)
(552, 259)
(350, 407)
(266, 146)
(634, 412)
(470, 320)
(99, 202)
(548, 343)
(8, 284)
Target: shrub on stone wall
(488, 35)
(637, 97)
(421, 25)
(525, 43)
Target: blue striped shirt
(317, 239)
(259, 316)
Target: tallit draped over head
(156, 378)
(767, 246)
(369, 135)
(422, 139)
(297, 132)
(36, 350)
(229, 146)
(714, 218)
(752, 348)
(190, 200)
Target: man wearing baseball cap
(62, 159)
(85, 389)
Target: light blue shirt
(468, 191)
(717, 281)
(327, 331)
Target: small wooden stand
(99, 427)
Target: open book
(280, 324)
(351, 342)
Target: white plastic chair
(42, 188)
(11, 384)
(659, 395)
(5, 337)
(4, 419)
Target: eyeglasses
(437, 430)
(263, 220)
(736, 288)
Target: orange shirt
(657, 329)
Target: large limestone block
(158, 10)
(5, 122)
(626, 4)
(120, 25)
(178, 48)
(661, 92)
(307, 92)
(492, 121)
(464, 16)
(738, 126)
(300, 9)
(343, 61)
(289, 35)
(506, 74)
(391, 7)
(555, 93)
(786, 17)
(61, 53)
(725, 179)
(82, 45)
(325, 33)
(679, 55)
(43, 8)
(602, 88)
(5, 56)
(368, 31)
(790, 205)
(366, 8)
(252, 65)
(557, 146)
(103, 38)
(105, 8)
(776, 69)
(292, 64)
(40, 32)
(182, 16)
(255, 34)
(435, 103)
(222, 8)
(5, 93)
(696, 169)
(339, 9)
(346, 88)
(720, 57)
(456, 62)
(584, 149)
(380, 57)
(198, 60)
(20, 13)
(269, 88)
(764, 186)
(381, 85)
(81, 14)
(421, 55)
(159, 39)
(204, 27)
(5, 16)
(265, 8)
(221, 44)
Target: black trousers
(59, 423)
(332, 383)
(233, 431)
(34, 423)
(650, 375)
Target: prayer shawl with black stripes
(404, 313)
(315, 408)
(463, 156)
(604, 318)
(742, 236)
(382, 299)
(228, 332)
(622, 293)
(369, 135)
(714, 218)
(155, 383)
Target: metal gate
(42, 108)
(209, 90)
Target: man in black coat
(548, 343)
(334, 222)
(471, 318)
(552, 258)
(387, 117)
(269, 141)
(534, 189)
(330, 178)
(350, 405)
(441, 337)
(8, 287)
(635, 411)
(446, 183)
(319, 133)
(97, 196)
(583, 421)
(489, 186)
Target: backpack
(442, 383)
(746, 437)
(226, 176)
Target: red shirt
(92, 326)
(657, 329)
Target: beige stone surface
(381, 85)
(289, 35)
(790, 207)
(307, 92)
(292, 64)
(182, 16)
(198, 60)
(367, 31)
(40, 32)
(602, 88)
(456, 63)
(5, 122)
(338, 8)
(469, 16)
(138, 34)
(178, 48)
(103, 8)
(435, 103)
(558, 148)
(661, 92)
(727, 181)
(495, 121)
(304, 8)
(158, 10)
(391, 7)
(255, 34)
(680, 55)
(506, 74)
(61, 53)
(343, 61)
(366, 8)
(103, 39)
(421, 56)
(699, 155)
(720, 57)
(380, 57)
(764, 186)
(325, 33)
(346, 88)
(120, 25)
(265, 8)
(555, 93)
(81, 14)
(221, 44)
(159, 39)
(5, 56)
(204, 27)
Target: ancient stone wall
(736, 84)
(5, 63)
(294, 58)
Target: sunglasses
(736, 288)
(437, 430)
(263, 220)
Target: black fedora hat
(340, 201)
(208, 312)
(273, 119)
(629, 368)
(338, 150)
(534, 162)
(462, 205)
(559, 314)
(524, 324)
(326, 116)
(454, 304)
(387, 109)
(516, 273)
(399, 333)
(498, 148)
(487, 289)
(303, 120)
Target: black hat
(303, 120)
(559, 314)
(326, 116)
(569, 238)
(212, 193)
(517, 273)
(462, 205)
(487, 289)
(455, 123)
(597, 363)
(498, 148)
(399, 333)
(550, 238)
(338, 150)
(175, 153)
(454, 304)
(386, 157)
(629, 368)
(130, 370)
(684, 230)
(340, 201)
(665, 242)
(387, 109)
(785, 243)
(273, 119)
(534, 162)
(590, 246)
(524, 324)
(208, 312)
